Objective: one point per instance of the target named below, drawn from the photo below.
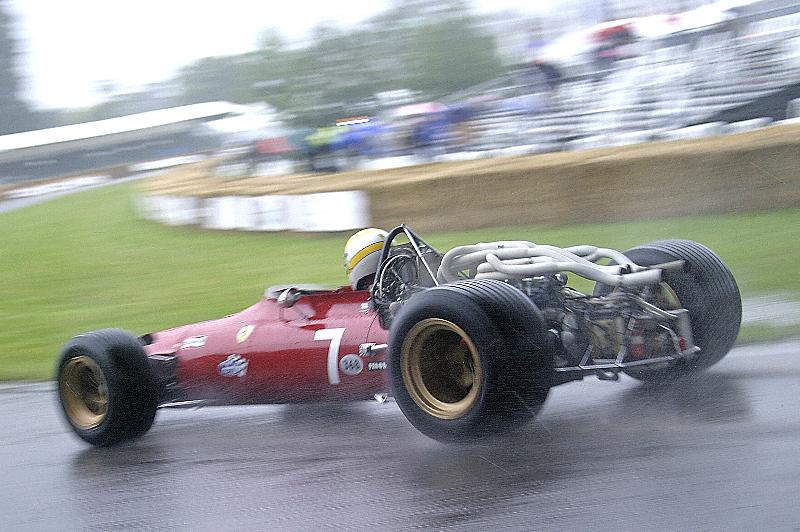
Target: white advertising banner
(273, 213)
(180, 210)
(321, 212)
(222, 213)
(334, 211)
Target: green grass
(86, 261)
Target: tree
(433, 47)
(217, 78)
(452, 54)
(14, 113)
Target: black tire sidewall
(90, 347)
(507, 331)
(470, 317)
(132, 387)
(715, 317)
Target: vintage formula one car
(468, 342)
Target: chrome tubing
(522, 259)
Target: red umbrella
(273, 146)
(603, 34)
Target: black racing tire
(707, 289)
(469, 359)
(106, 388)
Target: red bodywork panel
(270, 354)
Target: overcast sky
(69, 47)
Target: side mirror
(289, 297)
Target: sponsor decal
(351, 365)
(233, 366)
(244, 333)
(194, 341)
(376, 366)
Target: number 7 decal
(335, 336)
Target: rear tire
(107, 391)
(707, 289)
(469, 359)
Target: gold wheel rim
(666, 298)
(84, 392)
(441, 368)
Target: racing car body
(468, 342)
(297, 344)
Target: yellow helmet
(361, 256)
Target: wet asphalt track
(721, 452)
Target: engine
(631, 318)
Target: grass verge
(85, 262)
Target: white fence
(59, 186)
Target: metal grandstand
(109, 143)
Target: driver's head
(361, 256)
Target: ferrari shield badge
(233, 366)
(244, 333)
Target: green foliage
(218, 78)
(85, 261)
(432, 47)
(451, 54)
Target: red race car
(468, 342)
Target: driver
(361, 256)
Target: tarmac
(718, 451)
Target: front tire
(106, 389)
(469, 359)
